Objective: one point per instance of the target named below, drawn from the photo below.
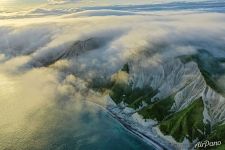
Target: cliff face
(181, 93)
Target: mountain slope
(182, 94)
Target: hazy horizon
(19, 5)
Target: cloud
(116, 8)
(125, 36)
(57, 2)
(40, 94)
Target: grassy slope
(133, 97)
(118, 92)
(185, 123)
(218, 134)
(146, 97)
(211, 70)
(158, 110)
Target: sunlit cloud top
(73, 6)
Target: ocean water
(72, 130)
(31, 119)
(85, 130)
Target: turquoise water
(91, 129)
(88, 130)
(70, 127)
(38, 117)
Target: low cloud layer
(62, 1)
(125, 36)
(116, 8)
(44, 82)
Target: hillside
(182, 95)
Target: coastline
(158, 145)
(137, 133)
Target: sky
(24, 8)
(15, 5)
(9, 4)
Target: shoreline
(137, 133)
(145, 138)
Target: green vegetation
(186, 123)
(218, 134)
(211, 69)
(211, 82)
(100, 84)
(187, 58)
(158, 110)
(119, 92)
(148, 94)
(126, 68)
(133, 97)
(122, 91)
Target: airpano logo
(206, 143)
